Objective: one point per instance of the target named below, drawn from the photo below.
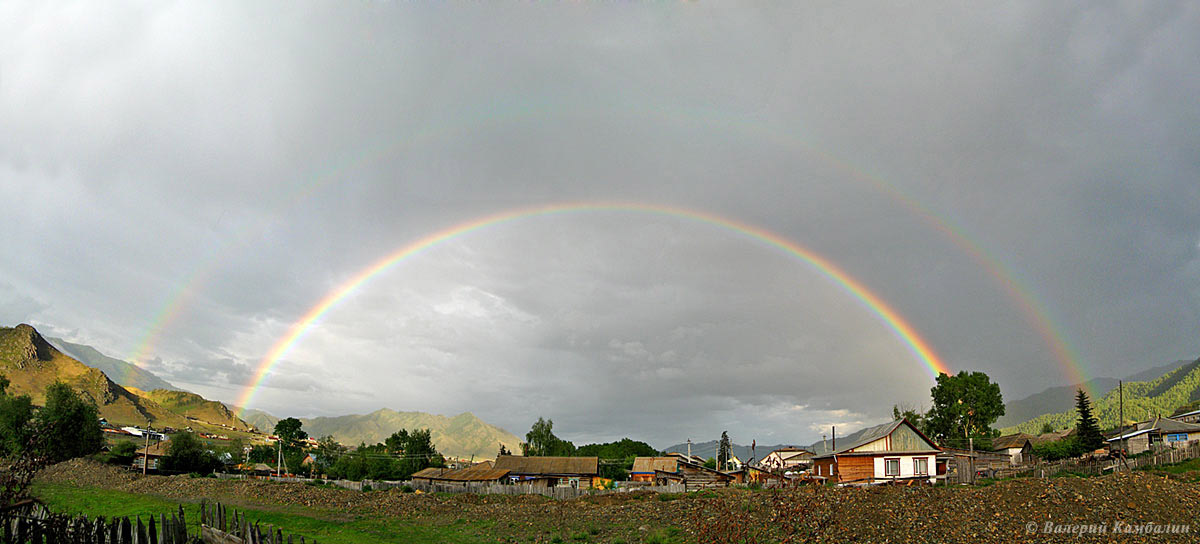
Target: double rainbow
(889, 316)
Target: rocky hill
(31, 363)
(194, 406)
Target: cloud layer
(181, 183)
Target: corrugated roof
(548, 465)
(868, 435)
(651, 464)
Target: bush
(1059, 449)
(121, 453)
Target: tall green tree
(73, 422)
(1087, 429)
(16, 413)
(912, 415)
(290, 431)
(965, 406)
(724, 450)
(541, 442)
(187, 453)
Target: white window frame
(886, 461)
(920, 466)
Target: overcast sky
(246, 158)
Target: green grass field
(331, 527)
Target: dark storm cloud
(194, 177)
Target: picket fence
(30, 522)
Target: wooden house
(1190, 416)
(150, 457)
(888, 452)
(478, 473)
(1155, 432)
(790, 459)
(748, 475)
(675, 468)
(1018, 447)
(578, 472)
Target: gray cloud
(195, 177)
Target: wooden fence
(1163, 455)
(219, 525)
(559, 492)
(30, 522)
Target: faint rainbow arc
(901, 327)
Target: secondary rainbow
(901, 327)
(1024, 296)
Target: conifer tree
(1087, 429)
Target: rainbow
(1023, 296)
(902, 328)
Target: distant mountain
(261, 420)
(743, 452)
(462, 436)
(122, 372)
(1062, 399)
(1143, 399)
(31, 363)
(709, 449)
(191, 405)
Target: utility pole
(689, 450)
(833, 435)
(971, 442)
(146, 458)
(279, 461)
(1121, 427)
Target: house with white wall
(889, 452)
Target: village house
(1192, 416)
(788, 459)
(1018, 447)
(882, 453)
(578, 472)
(478, 473)
(676, 468)
(1155, 432)
(150, 457)
(748, 475)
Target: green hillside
(194, 406)
(124, 373)
(1160, 396)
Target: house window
(891, 467)
(1177, 437)
(921, 466)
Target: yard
(1000, 512)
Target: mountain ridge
(463, 435)
(1142, 399)
(124, 373)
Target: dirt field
(1120, 505)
